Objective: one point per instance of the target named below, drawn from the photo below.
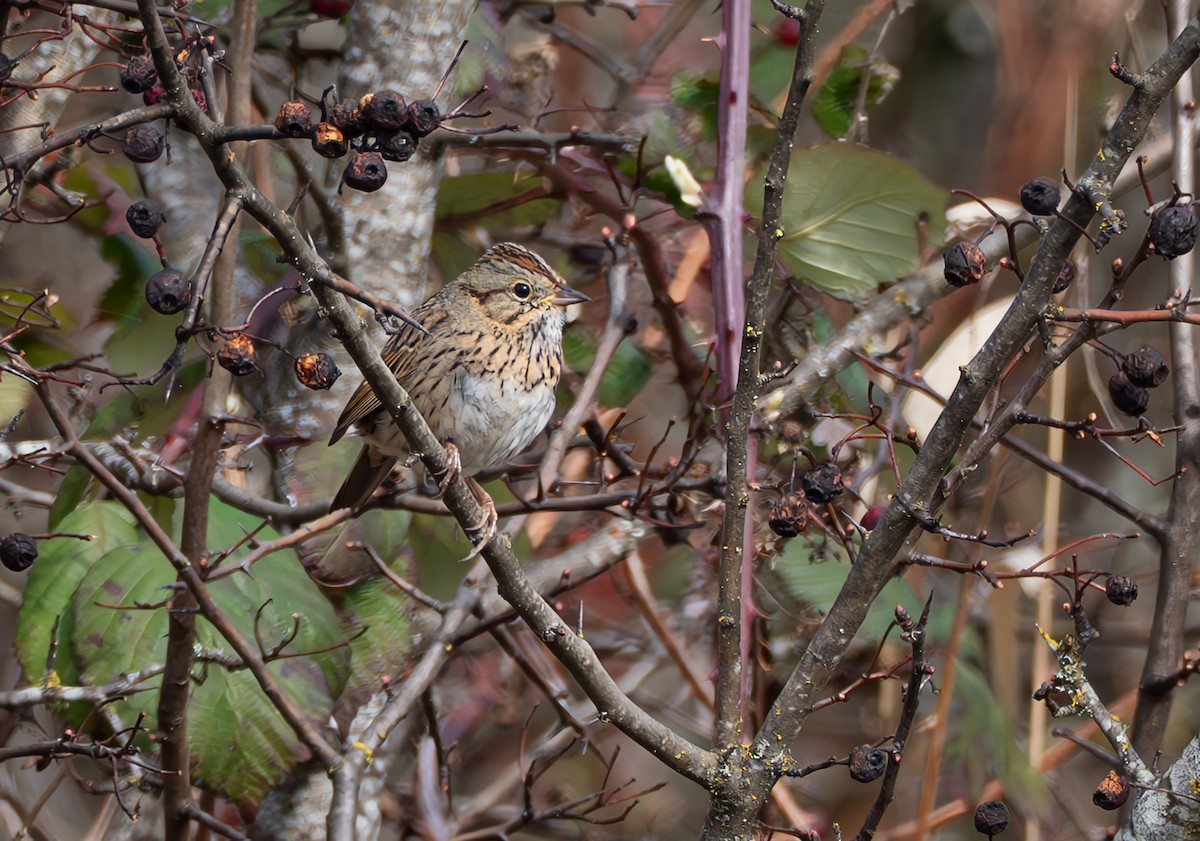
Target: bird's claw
(453, 468)
(487, 525)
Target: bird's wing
(399, 349)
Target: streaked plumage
(483, 376)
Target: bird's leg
(488, 523)
(453, 468)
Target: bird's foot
(453, 468)
(487, 525)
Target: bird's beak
(564, 296)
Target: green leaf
(627, 372)
(261, 255)
(108, 641)
(481, 196)
(850, 218)
(241, 744)
(986, 742)
(14, 395)
(579, 351)
(228, 526)
(700, 95)
(834, 104)
(70, 494)
(62, 565)
(124, 302)
(108, 593)
(811, 575)
(374, 617)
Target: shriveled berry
(330, 8)
(1112, 792)
(168, 291)
(1173, 231)
(347, 116)
(788, 516)
(422, 117)
(1066, 276)
(237, 355)
(867, 763)
(145, 218)
(1039, 197)
(397, 146)
(383, 110)
(964, 263)
(991, 817)
(317, 371)
(366, 171)
(1127, 397)
(144, 144)
(823, 484)
(294, 119)
(18, 551)
(138, 75)
(328, 141)
(1145, 367)
(1121, 590)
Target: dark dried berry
(867, 763)
(991, 817)
(1066, 276)
(1112, 792)
(1173, 231)
(144, 218)
(823, 484)
(139, 75)
(294, 119)
(422, 117)
(328, 141)
(964, 264)
(144, 144)
(330, 8)
(788, 516)
(1145, 367)
(1120, 590)
(317, 370)
(168, 291)
(18, 551)
(237, 355)
(1039, 197)
(347, 116)
(366, 171)
(397, 146)
(1127, 397)
(383, 110)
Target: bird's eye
(522, 290)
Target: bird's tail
(368, 472)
